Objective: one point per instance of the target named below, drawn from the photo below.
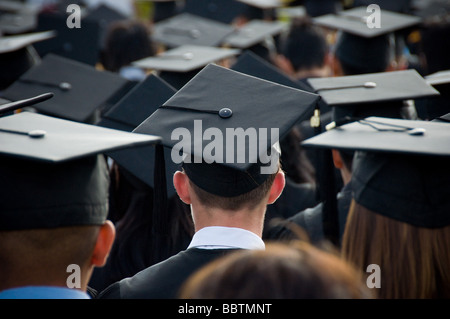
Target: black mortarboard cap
(80, 90)
(17, 55)
(54, 172)
(374, 94)
(354, 21)
(400, 168)
(80, 44)
(186, 28)
(254, 32)
(127, 114)
(185, 58)
(374, 87)
(220, 10)
(218, 99)
(177, 66)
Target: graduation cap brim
(16, 42)
(254, 32)
(186, 28)
(396, 136)
(186, 58)
(48, 139)
(400, 167)
(263, 4)
(373, 87)
(438, 78)
(263, 104)
(79, 89)
(354, 21)
(126, 115)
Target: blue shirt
(43, 292)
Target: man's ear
(337, 159)
(105, 240)
(181, 183)
(277, 187)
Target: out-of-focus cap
(186, 28)
(80, 90)
(185, 58)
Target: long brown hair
(414, 261)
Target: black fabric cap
(214, 99)
(186, 28)
(17, 55)
(126, 115)
(54, 172)
(363, 55)
(400, 169)
(80, 44)
(80, 90)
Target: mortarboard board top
(49, 139)
(16, 42)
(400, 168)
(185, 58)
(186, 28)
(354, 21)
(438, 78)
(80, 90)
(374, 87)
(254, 32)
(263, 4)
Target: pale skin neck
(248, 219)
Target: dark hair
(126, 41)
(305, 46)
(294, 160)
(248, 199)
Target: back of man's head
(305, 45)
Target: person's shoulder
(163, 279)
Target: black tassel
(160, 221)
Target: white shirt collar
(219, 237)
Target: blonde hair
(294, 270)
(414, 261)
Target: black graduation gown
(163, 280)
